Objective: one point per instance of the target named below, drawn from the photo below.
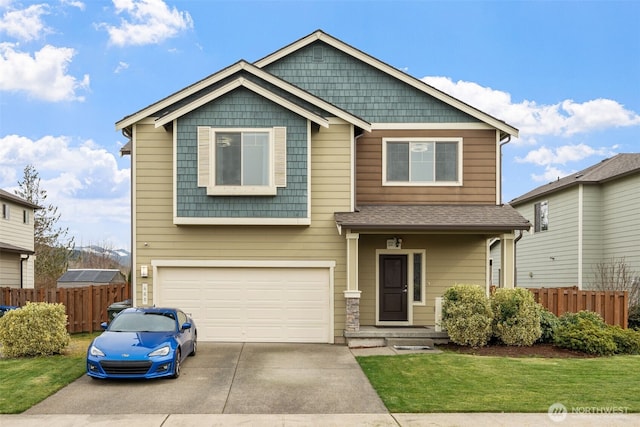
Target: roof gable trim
(172, 99)
(388, 69)
(242, 82)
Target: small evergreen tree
(53, 246)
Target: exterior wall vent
(318, 54)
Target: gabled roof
(609, 169)
(392, 71)
(480, 218)
(5, 195)
(158, 109)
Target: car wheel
(176, 364)
(195, 348)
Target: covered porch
(402, 258)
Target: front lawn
(451, 382)
(27, 381)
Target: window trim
(6, 211)
(537, 216)
(277, 162)
(25, 216)
(246, 190)
(457, 183)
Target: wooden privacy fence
(611, 305)
(86, 307)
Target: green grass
(450, 382)
(27, 381)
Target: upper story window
(242, 158)
(541, 214)
(422, 161)
(5, 211)
(242, 162)
(25, 216)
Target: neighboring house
(87, 277)
(581, 220)
(17, 247)
(310, 192)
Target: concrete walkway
(325, 420)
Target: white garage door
(250, 304)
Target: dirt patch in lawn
(537, 350)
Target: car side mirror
(104, 325)
(186, 325)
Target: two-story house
(580, 221)
(310, 192)
(16, 241)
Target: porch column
(352, 294)
(507, 260)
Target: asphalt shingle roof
(434, 217)
(95, 276)
(608, 169)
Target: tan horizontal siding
(330, 192)
(450, 259)
(478, 167)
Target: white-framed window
(25, 216)
(422, 161)
(242, 162)
(5, 211)
(541, 214)
(419, 297)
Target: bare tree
(616, 275)
(52, 245)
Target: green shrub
(37, 329)
(516, 316)
(585, 331)
(548, 324)
(573, 318)
(634, 317)
(467, 315)
(627, 340)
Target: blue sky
(567, 74)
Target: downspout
(501, 144)
(515, 258)
(355, 165)
(22, 260)
(515, 241)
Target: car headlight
(160, 352)
(95, 351)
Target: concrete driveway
(233, 378)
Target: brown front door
(393, 293)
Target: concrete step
(366, 342)
(410, 342)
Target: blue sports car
(143, 343)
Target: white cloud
(146, 22)
(43, 75)
(564, 118)
(561, 155)
(121, 67)
(25, 24)
(550, 174)
(80, 5)
(82, 179)
(93, 165)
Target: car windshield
(143, 322)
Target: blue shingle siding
(241, 109)
(362, 89)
